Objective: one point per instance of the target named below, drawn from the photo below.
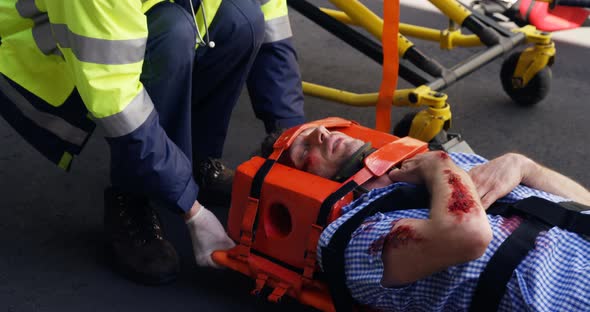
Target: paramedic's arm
(274, 82)
(106, 61)
(498, 177)
(456, 232)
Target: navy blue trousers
(195, 92)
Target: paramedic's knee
(171, 38)
(242, 22)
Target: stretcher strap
(247, 233)
(491, 285)
(333, 257)
(554, 214)
(250, 219)
(390, 64)
(540, 214)
(331, 200)
(311, 252)
(259, 178)
(377, 164)
(322, 220)
(317, 228)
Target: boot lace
(139, 220)
(211, 169)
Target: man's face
(322, 152)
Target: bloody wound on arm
(460, 201)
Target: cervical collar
(354, 163)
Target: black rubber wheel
(535, 91)
(402, 128)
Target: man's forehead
(299, 140)
(307, 131)
(302, 135)
(297, 143)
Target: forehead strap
(286, 139)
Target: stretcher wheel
(402, 128)
(535, 91)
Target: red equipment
(276, 212)
(544, 17)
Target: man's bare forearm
(545, 179)
(456, 211)
(457, 230)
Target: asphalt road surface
(51, 256)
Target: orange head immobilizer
(278, 212)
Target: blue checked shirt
(554, 276)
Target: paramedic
(430, 259)
(161, 89)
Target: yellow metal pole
(362, 16)
(436, 35)
(401, 97)
(420, 32)
(340, 96)
(453, 9)
(340, 16)
(467, 41)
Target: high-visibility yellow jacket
(276, 20)
(50, 47)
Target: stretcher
(278, 213)
(525, 75)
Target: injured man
(431, 255)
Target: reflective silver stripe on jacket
(42, 30)
(27, 8)
(44, 39)
(100, 51)
(277, 29)
(51, 123)
(133, 116)
(86, 49)
(263, 2)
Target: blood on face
(309, 162)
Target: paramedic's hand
(421, 168)
(207, 235)
(495, 179)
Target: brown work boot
(215, 182)
(135, 240)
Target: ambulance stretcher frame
(525, 75)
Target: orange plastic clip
(278, 293)
(261, 279)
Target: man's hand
(420, 168)
(495, 179)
